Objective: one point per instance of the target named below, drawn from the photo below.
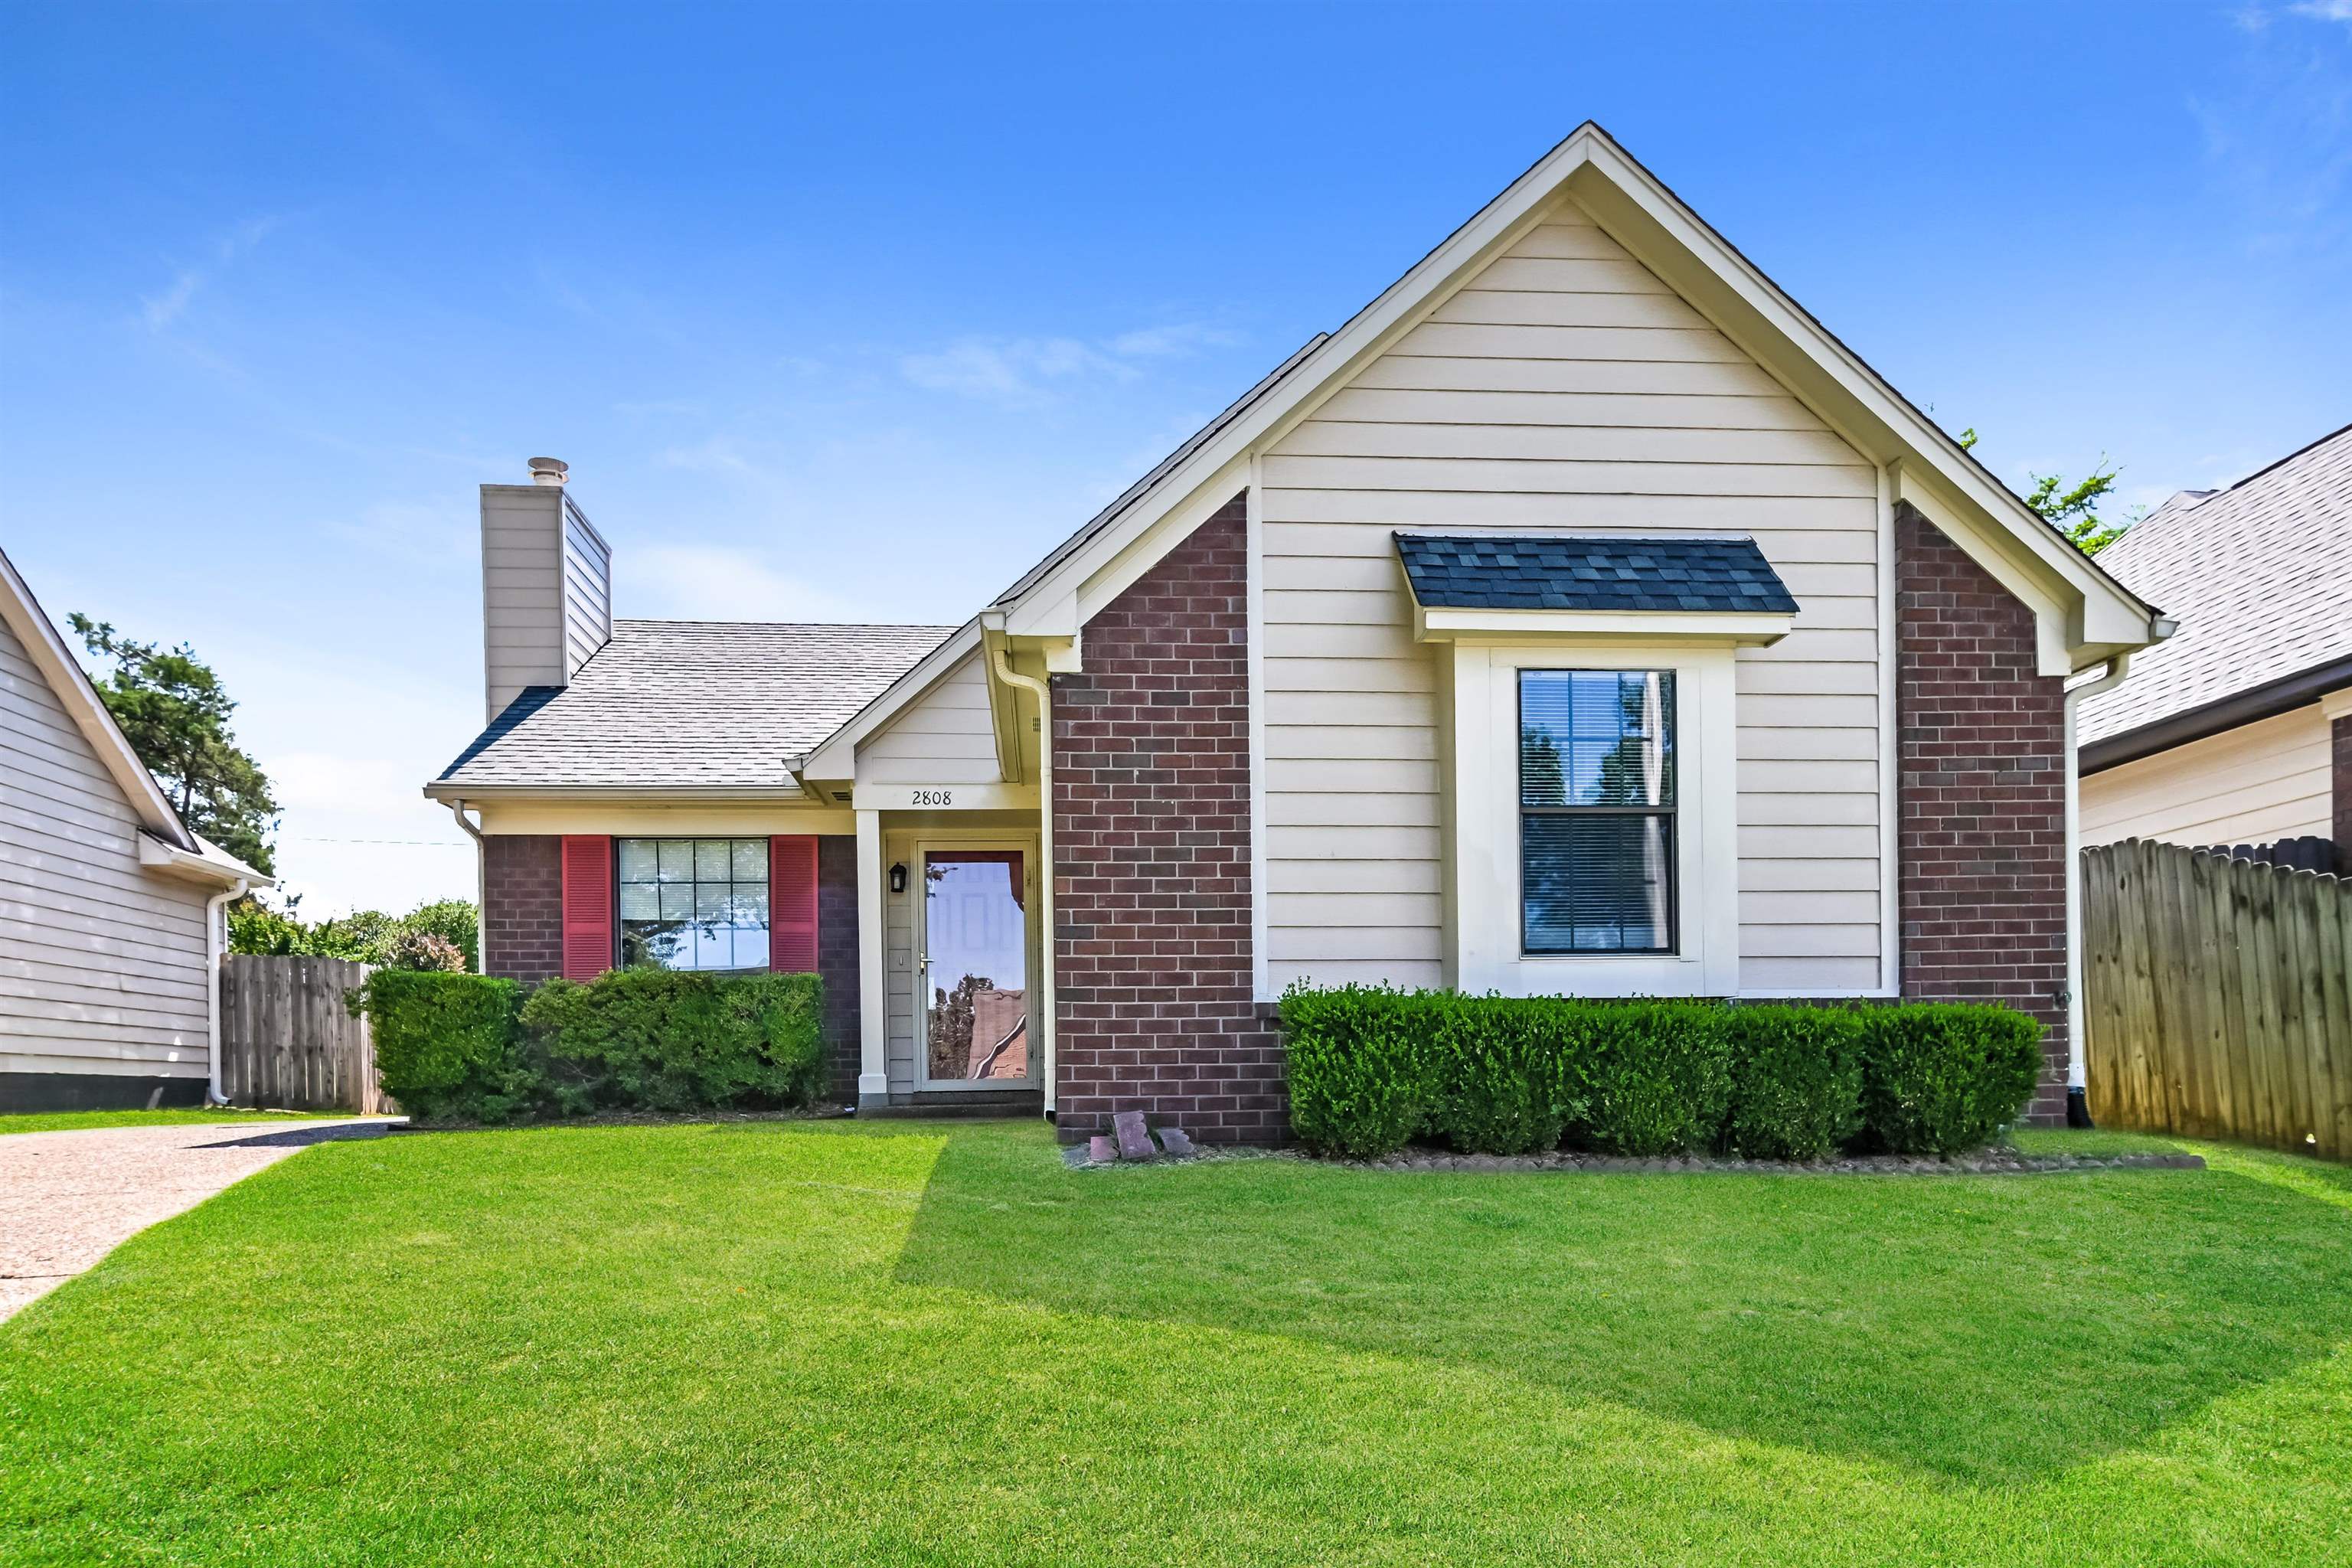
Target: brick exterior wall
(522, 897)
(836, 958)
(1982, 832)
(1152, 837)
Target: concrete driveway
(68, 1199)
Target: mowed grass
(830, 1342)
(80, 1121)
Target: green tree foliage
(371, 936)
(2074, 510)
(173, 708)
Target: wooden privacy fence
(288, 1042)
(2218, 997)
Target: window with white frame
(694, 904)
(1596, 811)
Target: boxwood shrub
(444, 1043)
(1940, 1077)
(661, 1040)
(1372, 1069)
(461, 1048)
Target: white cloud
(718, 582)
(1021, 371)
(2323, 10)
(159, 310)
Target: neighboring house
(1580, 618)
(2238, 730)
(111, 910)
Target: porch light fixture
(898, 878)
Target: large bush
(1795, 1080)
(1372, 1069)
(445, 1044)
(456, 1048)
(659, 1039)
(1939, 1078)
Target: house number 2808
(935, 797)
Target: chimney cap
(548, 470)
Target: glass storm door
(974, 969)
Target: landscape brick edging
(1153, 968)
(1987, 1163)
(1982, 829)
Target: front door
(974, 968)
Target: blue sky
(848, 313)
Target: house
(1581, 616)
(2237, 731)
(110, 909)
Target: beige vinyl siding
(2262, 782)
(523, 591)
(1565, 386)
(947, 736)
(587, 592)
(101, 963)
(901, 1014)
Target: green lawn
(830, 1342)
(76, 1120)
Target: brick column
(1151, 840)
(1982, 829)
(522, 905)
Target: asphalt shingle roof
(693, 704)
(2259, 576)
(1592, 572)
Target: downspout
(214, 919)
(1044, 695)
(481, 889)
(2078, 1107)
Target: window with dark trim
(1596, 811)
(693, 903)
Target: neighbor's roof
(1592, 571)
(675, 705)
(2259, 576)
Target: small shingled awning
(1692, 574)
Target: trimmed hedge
(660, 1039)
(460, 1047)
(444, 1043)
(1371, 1069)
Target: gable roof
(2085, 615)
(173, 845)
(2260, 576)
(1687, 573)
(722, 707)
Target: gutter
(214, 945)
(2078, 1107)
(1002, 666)
(2267, 700)
(481, 889)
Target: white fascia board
(619, 794)
(1613, 626)
(837, 758)
(2334, 705)
(1650, 221)
(70, 685)
(1323, 371)
(212, 866)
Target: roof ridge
(2306, 447)
(792, 625)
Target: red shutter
(791, 904)
(587, 906)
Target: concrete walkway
(68, 1199)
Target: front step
(961, 1105)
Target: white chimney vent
(548, 470)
